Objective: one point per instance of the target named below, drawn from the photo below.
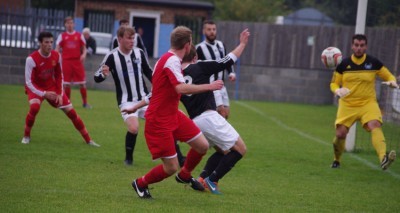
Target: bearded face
(210, 31)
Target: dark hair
(359, 37)
(123, 21)
(208, 22)
(44, 35)
(190, 56)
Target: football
(331, 57)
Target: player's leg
(132, 123)
(83, 91)
(34, 108)
(67, 75)
(226, 140)
(339, 144)
(345, 118)
(155, 175)
(79, 76)
(76, 120)
(225, 100)
(161, 145)
(372, 121)
(188, 131)
(181, 157)
(229, 160)
(211, 165)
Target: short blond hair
(180, 36)
(125, 29)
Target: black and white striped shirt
(213, 51)
(127, 72)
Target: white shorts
(222, 98)
(217, 130)
(139, 113)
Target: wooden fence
(290, 46)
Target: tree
(379, 12)
(248, 10)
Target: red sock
(67, 90)
(192, 159)
(30, 118)
(79, 125)
(84, 95)
(155, 175)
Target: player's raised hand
(244, 36)
(217, 85)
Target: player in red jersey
(165, 122)
(43, 81)
(72, 46)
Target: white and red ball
(331, 57)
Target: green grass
(286, 168)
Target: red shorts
(66, 102)
(161, 143)
(73, 72)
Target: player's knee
(373, 124)
(34, 109)
(72, 114)
(202, 149)
(341, 135)
(171, 169)
(133, 129)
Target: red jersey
(71, 44)
(163, 107)
(43, 73)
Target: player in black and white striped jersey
(127, 65)
(213, 49)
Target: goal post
(351, 138)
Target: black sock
(130, 142)
(181, 159)
(211, 164)
(225, 165)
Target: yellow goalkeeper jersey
(358, 75)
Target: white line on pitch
(305, 135)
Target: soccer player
(138, 42)
(72, 46)
(43, 81)
(213, 49)
(127, 64)
(229, 146)
(354, 82)
(165, 122)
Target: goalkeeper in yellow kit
(354, 82)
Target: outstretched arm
(198, 88)
(244, 38)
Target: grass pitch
(286, 169)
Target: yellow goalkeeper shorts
(347, 115)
